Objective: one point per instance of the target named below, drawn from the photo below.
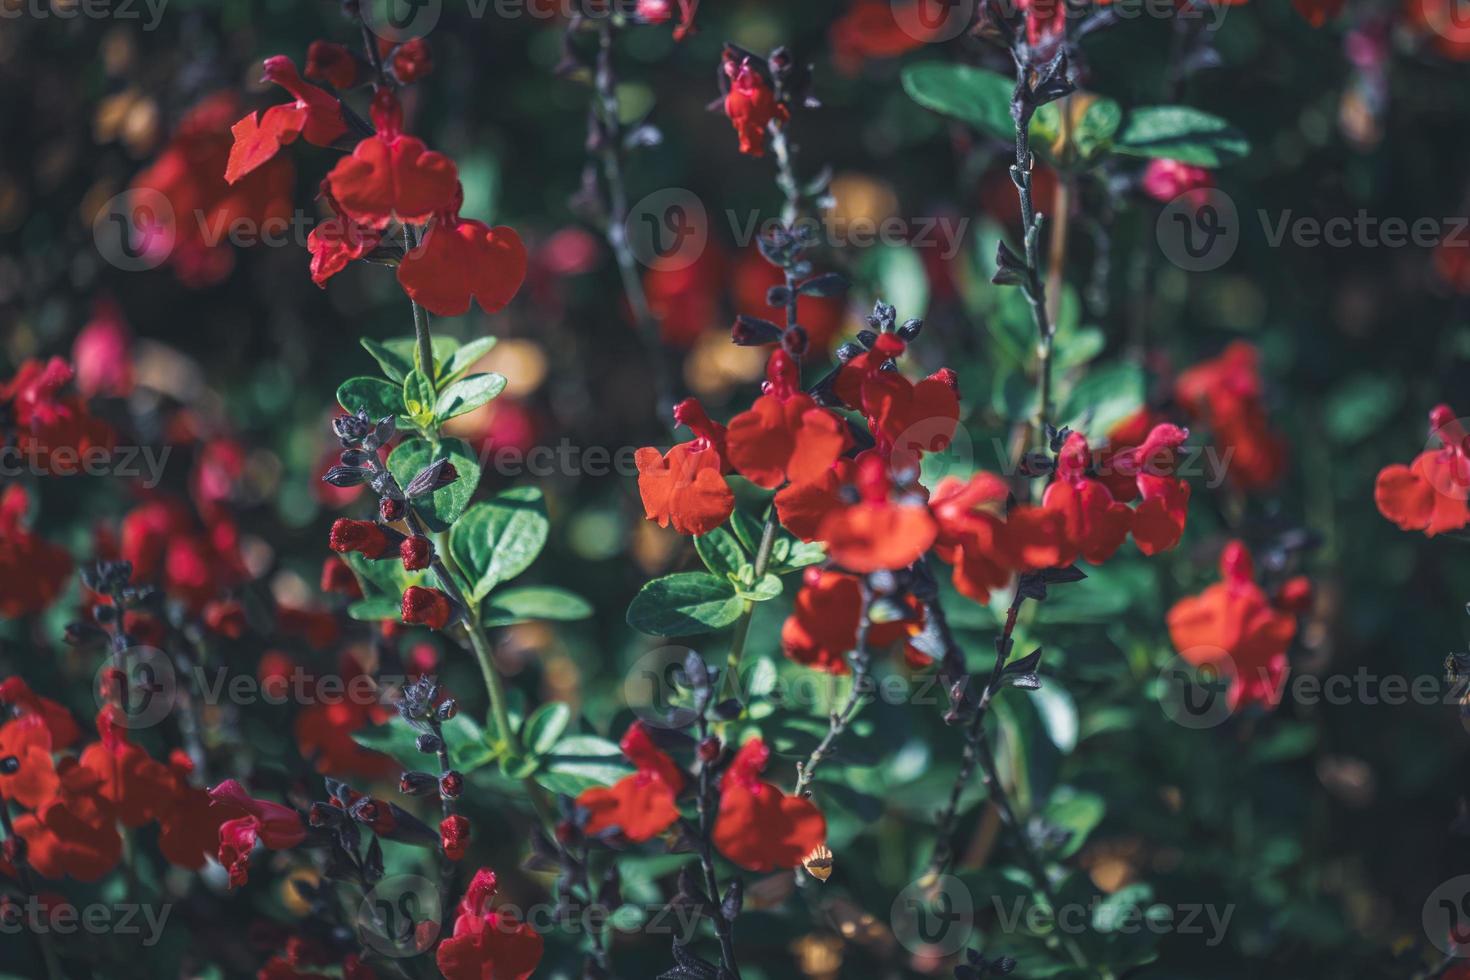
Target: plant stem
(838, 721)
(1021, 175)
(730, 685)
(723, 928)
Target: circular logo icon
(937, 447)
(144, 691)
(1199, 230)
(668, 229)
(400, 916)
(932, 21)
(1450, 19)
(134, 230)
(401, 20)
(1447, 916)
(934, 918)
(1196, 697)
(653, 688)
(1448, 473)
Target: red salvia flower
(33, 572)
(971, 518)
(75, 833)
(276, 826)
(685, 488)
(137, 788)
(34, 781)
(315, 115)
(759, 827)
(785, 436)
(325, 726)
(338, 578)
(751, 104)
(461, 259)
(1094, 524)
(1227, 393)
(877, 533)
(486, 944)
(1232, 628)
(1430, 494)
(17, 696)
(871, 30)
(411, 61)
(823, 625)
(415, 552)
(337, 241)
(454, 832)
(52, 429)
(102, 352)
(1158, 521)
(392, 176)
(366, 538)
(331, 63)
(189, 831)
(802, 507)
(641, 806)
(426, 607)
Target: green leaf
(973, 95)
(1076, 811)
(769, 587)
(468, 747)
(720, 552)
(747, 529)
(467, 395)
(443, 507)
(1180, 133)
(374, 609)
(397, 357)
(510, 606)
(545, 727)
(684, 604)
(579, 762)
(418, 398)
(498, 539)
(1091, 134)
(800, 554)
(372, 395)
(1104, 397)
(465, 358)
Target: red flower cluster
(167, 547)
(640, 806)
(1233, 628)
(276, 826)
(1227, 394)
(486, 943)
(1430, 494)
(53, 431)
(751, 103)
(823, 626)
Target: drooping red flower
(823, 626)
(759, 827)
(1094, 524)
(1430, 494)
(1227, 393)
(983, 542)
(426, 607)
(802, 507)
(640, 806)
(276, 826)
(325, 725)
(367, 538)
(136, 787)
(486, 944)
(878, 532)
(785, 436)
(33, 572)
(454, 835)
(751, 104)
(314, 114)
(391, 176)
(662, 11)
(1158, 521)
(188, 832)
(685, 488)
(906, 419)
(1233, 628)
(461, 259)
(331, 63)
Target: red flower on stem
(1094, 524)
(367, 538)
(686, 487)
(460, 259)
(426, 607)
(759, 827)
(276, 826)
(1228, 394)
(823, 625)
(641, 806)
(315, 115)
(751, 104)
(878, 533)
(487, 943)
(1430, 494)
(391, 176)
(785, 436)
(454, 834)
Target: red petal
(402, 180)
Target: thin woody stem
(730, 685)
(723, 928)
(1022, 172)
(838, 720)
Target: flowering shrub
(721, 569)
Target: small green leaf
(397, 357)
(579, 762)
(769, 587)
(418, 398)
(372, 395)
(498, 539)
(720, 552)
(372, 610)
(684, 604)
(510, 606)
(545, 727)
(1180, 133)
(467, 395)
(747, 529)
(443, 507)
(465, 358)
(973, 95)
(1104, 397)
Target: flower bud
(451, 784)
(426, 607)
(416, 553)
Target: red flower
(331, 63)
(1164, 179)
(759, 827)
(911, 419)
(272, 824)
(972, 530)
(870, 30)
(1228, 394)
(161, 540)
(683, 294)
(337, 240)
(454, 832)
(460, 259)
(315, 114)
(1158, 522)
(822, 628)
(427, 607)
(662, 11)
(1094, 523)
(225, 617)
(73, 835)
(17, 696)
(1231, 627)
(137, 788)
(641, 806)
(1318, 12)
(751, 105)
(1430, 494)
(324, 727)
(366, 538)
(189, 831)
(391, 176)
(34, 781)
(877, 533)
(102, 353)
(338, 578)
(1046, 20)
(686, 487)
(53, 431)
(411, 61)
(416, 553)
(33, 572)
(802, 507)
(785, 436)
(487, 945)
